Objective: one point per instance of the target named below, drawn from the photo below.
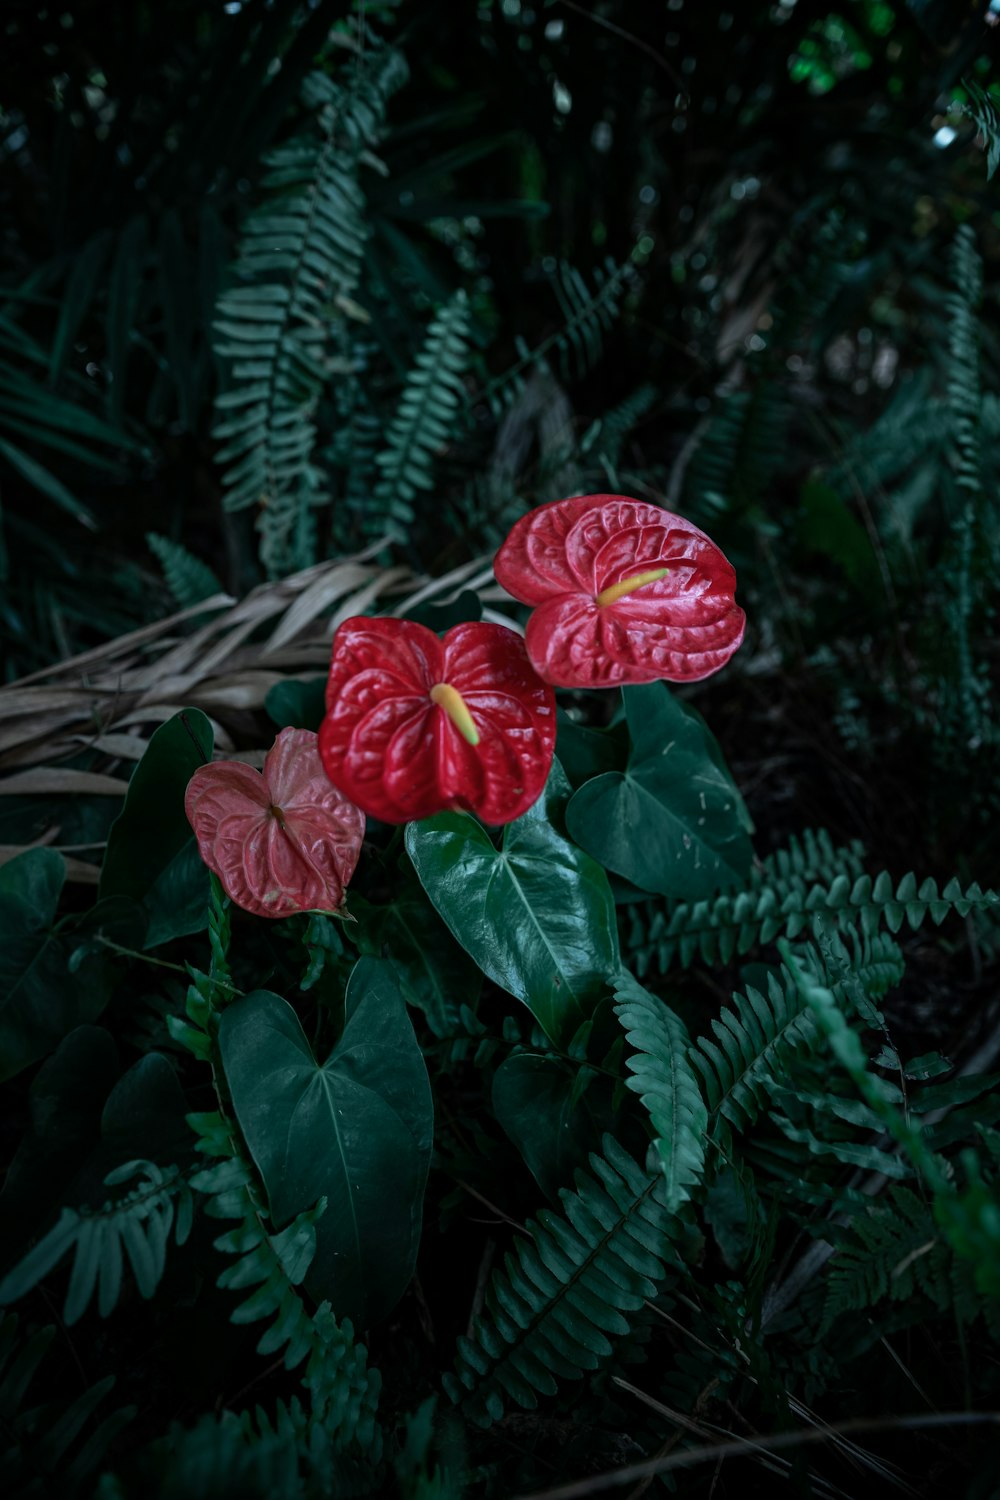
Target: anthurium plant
(390, 1076)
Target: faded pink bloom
(281, 842)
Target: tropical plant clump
(489, 1006)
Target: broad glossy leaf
(673, 821)
(416, 725)
(536, 914)
(151, 855)
(282, 841)
(553, 1121)
(584, 752)
(297, 704)
(356, 1129)
(625, 592)
(435, 973)
(54, 976)
(466, 608)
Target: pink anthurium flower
(416, 725)
(625, 592)
(281, 842)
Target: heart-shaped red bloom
(626, 593)
(416, 725)
(281, 842)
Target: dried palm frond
(112, 698)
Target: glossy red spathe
(625, 592)
(416, 724)
(281, 842)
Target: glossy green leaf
(152, 855)
(673, 821)
(585, 752)
(355, 1129)
(536, 914)
(556, 1114)
(435, 974)
(441, 617)
(297, 703)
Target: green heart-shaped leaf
(672, 821)
(356, 1129)
(536, 914)
(152, 856)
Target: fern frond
(37, 1456)
(899, 437)
(966, 693)
(663, 1078)
(964, 387)
(982, 108)
(579, 341)
(757, 1040)
(344, 1391)
(588, 315)
(299, 262)
(215, 1457)
(188, 578)
(207, 993)
(738, 448)
(567, 1289)
(736, 922)
(892, 1250)
(424, 421)
(135, 1228)
(602, 444)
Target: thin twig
(714, 1452)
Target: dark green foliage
(343, 1393)
(736, 923)
(354, 1130)
(298, 268)
(673, 820)
(281, 283)
(152, 857)
(536, 915)
(577, 343)
(982, 108)
(54, 972)
(133, 1229)
(893, 1251)
(577, 1279)
(50, 1445)
(188, 578)
(424, 421)
(758, 1038)
(666, 1083)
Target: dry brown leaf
(43, 780)
(103, 654)
(142, 679)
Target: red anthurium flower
(416, 725)
(626, 593)
(281, 842)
